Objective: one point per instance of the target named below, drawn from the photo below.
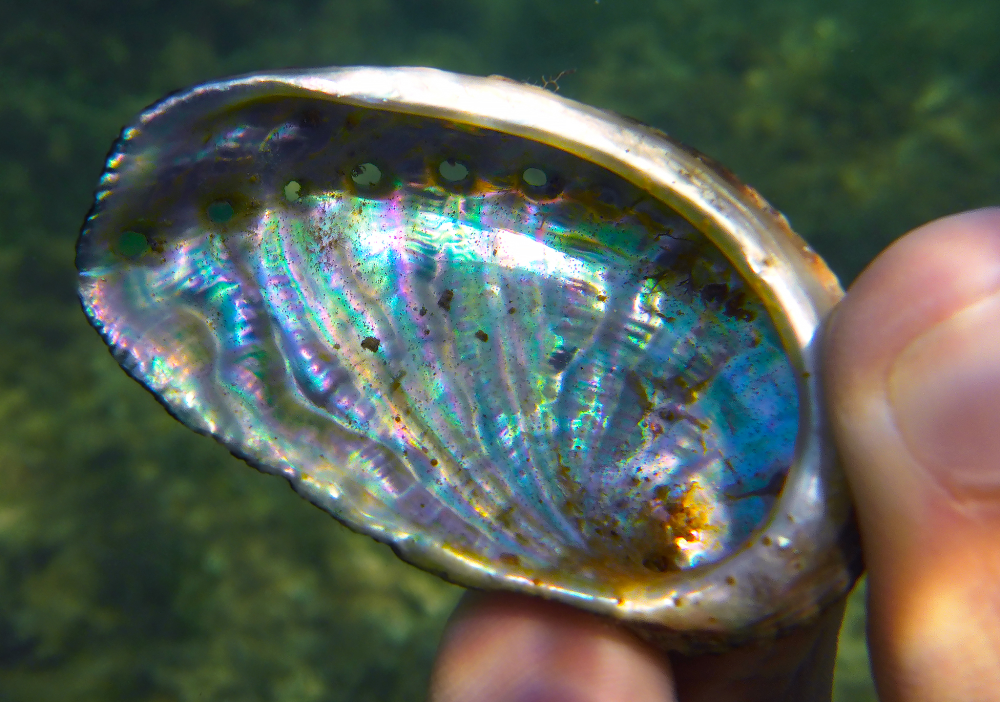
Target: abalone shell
(529, 344)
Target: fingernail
(945, 392)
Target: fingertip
(915, 286)
(912, 374)
(919, 280)
(511, 648)
(919, 323)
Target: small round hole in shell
(292, 190)
(132, 244)
(453, 171)
(535, 177)
(366, 175)
(220, 211)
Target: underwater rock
(529, 344)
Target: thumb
(913, 377)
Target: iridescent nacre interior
(454, 339)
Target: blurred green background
(139, 561)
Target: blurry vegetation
(139, 561)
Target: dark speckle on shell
(531, 345)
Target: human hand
(912, 373)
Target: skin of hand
(912, 377)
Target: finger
(913, 378)
(511, 648)
(795, 667)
